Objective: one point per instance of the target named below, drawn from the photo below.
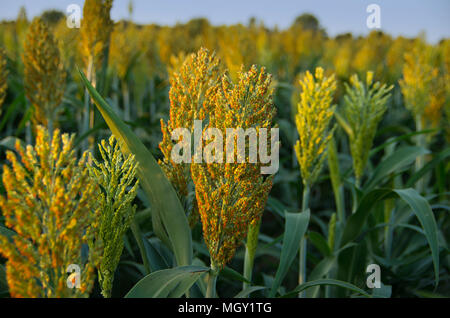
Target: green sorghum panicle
(116, 177)
(364, 107)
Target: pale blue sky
(398, 17)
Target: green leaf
(319, 242)
(356, 221)
(10, 142)
(6, 232)
(331, 282)
(429, 166)
(168, 217)
(3, 283)
(276, 206)
(400, 138)
(399, 159)
(158, 255)
(244, 293)
(319, 272)
(173, 282)
(417, 203)
(382, 292)
(295, 228)
(423, 211)
(343, 123)
(232, 274)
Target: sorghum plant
(365, 105)
(51, 206)
(44, 74)
(116, 177)
(314, 113)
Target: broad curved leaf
(417, 203)
(173, 282)
(295, 228)
(321, 282)
(248, 291)
(400, 158)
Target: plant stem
(87, 106)
(303, 245)
(126, 101)
(338, 188)
(420, 141)
(305, 202)
(212, 279)
(250, 249)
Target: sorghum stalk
(338, 188)
(420, 160)
(303, 243)
(3, 77)
(138, 237)
(211, 284)
(250, 250)
(332, 244)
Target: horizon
(347, 16)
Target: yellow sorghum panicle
(314, 113)
(232, 196)
(96, 27)
(116, 176)
(3, 76)
(365, 104)
(191, 95)
(419, 76)
(124, 47)
(67, 39)
(51, 205)
(44, 73)
(437, 99)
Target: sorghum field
(93, 202)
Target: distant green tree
(307, 21)
(52, 17)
